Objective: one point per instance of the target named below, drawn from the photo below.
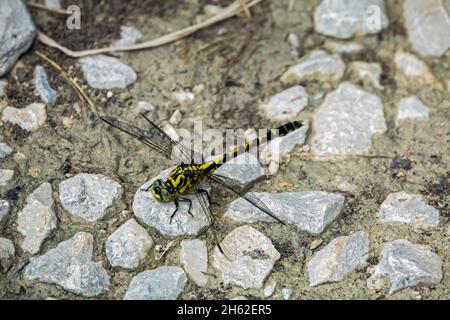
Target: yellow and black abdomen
(184, 177)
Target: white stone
(89, 195)
(194, 259)
(410, 209)
(5, 150)
(4, 209)
(176, 117)
(29, 118)
(5, 176)
(346, 18)
(286, 105)
(248, 260)
(184, 97)
(346, 121)
(163, 283)
(42, 86)
(157, 214)
(70, 266)
(6, 253)
(293, 40)
(309, 211)
(286, 293)
(406, 265)
(269, 289)
(104, 72)
(245, 169)
(128, 245)
(411, 108)
(128, 37)
(412, 69)
(37, 219)
(343, 47)
(144, 106)
(318, 65)
(171, 132)
(369, 71)
(428, 25)
(338, 258)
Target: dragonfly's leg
(190, 205)
(146, 189)
(177, 205)
(207, 195)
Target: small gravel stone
(248, 260)
(29, 118)
(128, 245)
(269, 289)
(370, 71)
(318, 65)
(293, 40)
(411, 108)
(338, 258)
(409, 209)
(4, 209)
(176, 117)
(6, 254)
(346, 121)
(17, 32)
(343, 47)
(37, 219)
(428, 24)
(310, 211)
(163, 283)
(157, 214)
(171, 132)
(128, 37)
(194, 259)
(144, 106)
(5, 176)
(184, 97)
(412, 70)
(89, 195)
(42, 86)
(5, 150)
(104, 72)
(345, 18)
(286, 293)
(245, 169)
(315, 244)
(286, 104)
(69, 265)
(406, 265)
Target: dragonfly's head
(160, 191)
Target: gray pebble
(245, 169)
(89, 195)
(310, 211)
(69, 265)
(6, 176)
(411, 108)
(163, 283)
(42, 86)
(428, 26)
(104, 72)
(406, 265)
(338, 258)
(194, 259)
(4, 209)
(346, 121)
(286, 104)
(410, 209)
(249, 258)
(346, 18)
(6, 253)
(29, 118)
(37, 219)
(128, 245)
(17, 32)
(5, 150)
(128, 36)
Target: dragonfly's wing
(207, 211)
(234, 186)
(155, 138)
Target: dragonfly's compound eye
(165, 194)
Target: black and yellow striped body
(185, 176)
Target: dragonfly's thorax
(185, 176)
(162, 191)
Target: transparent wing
(155, 138)
(234, 187)
(207, 211)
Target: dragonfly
(188, 176)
